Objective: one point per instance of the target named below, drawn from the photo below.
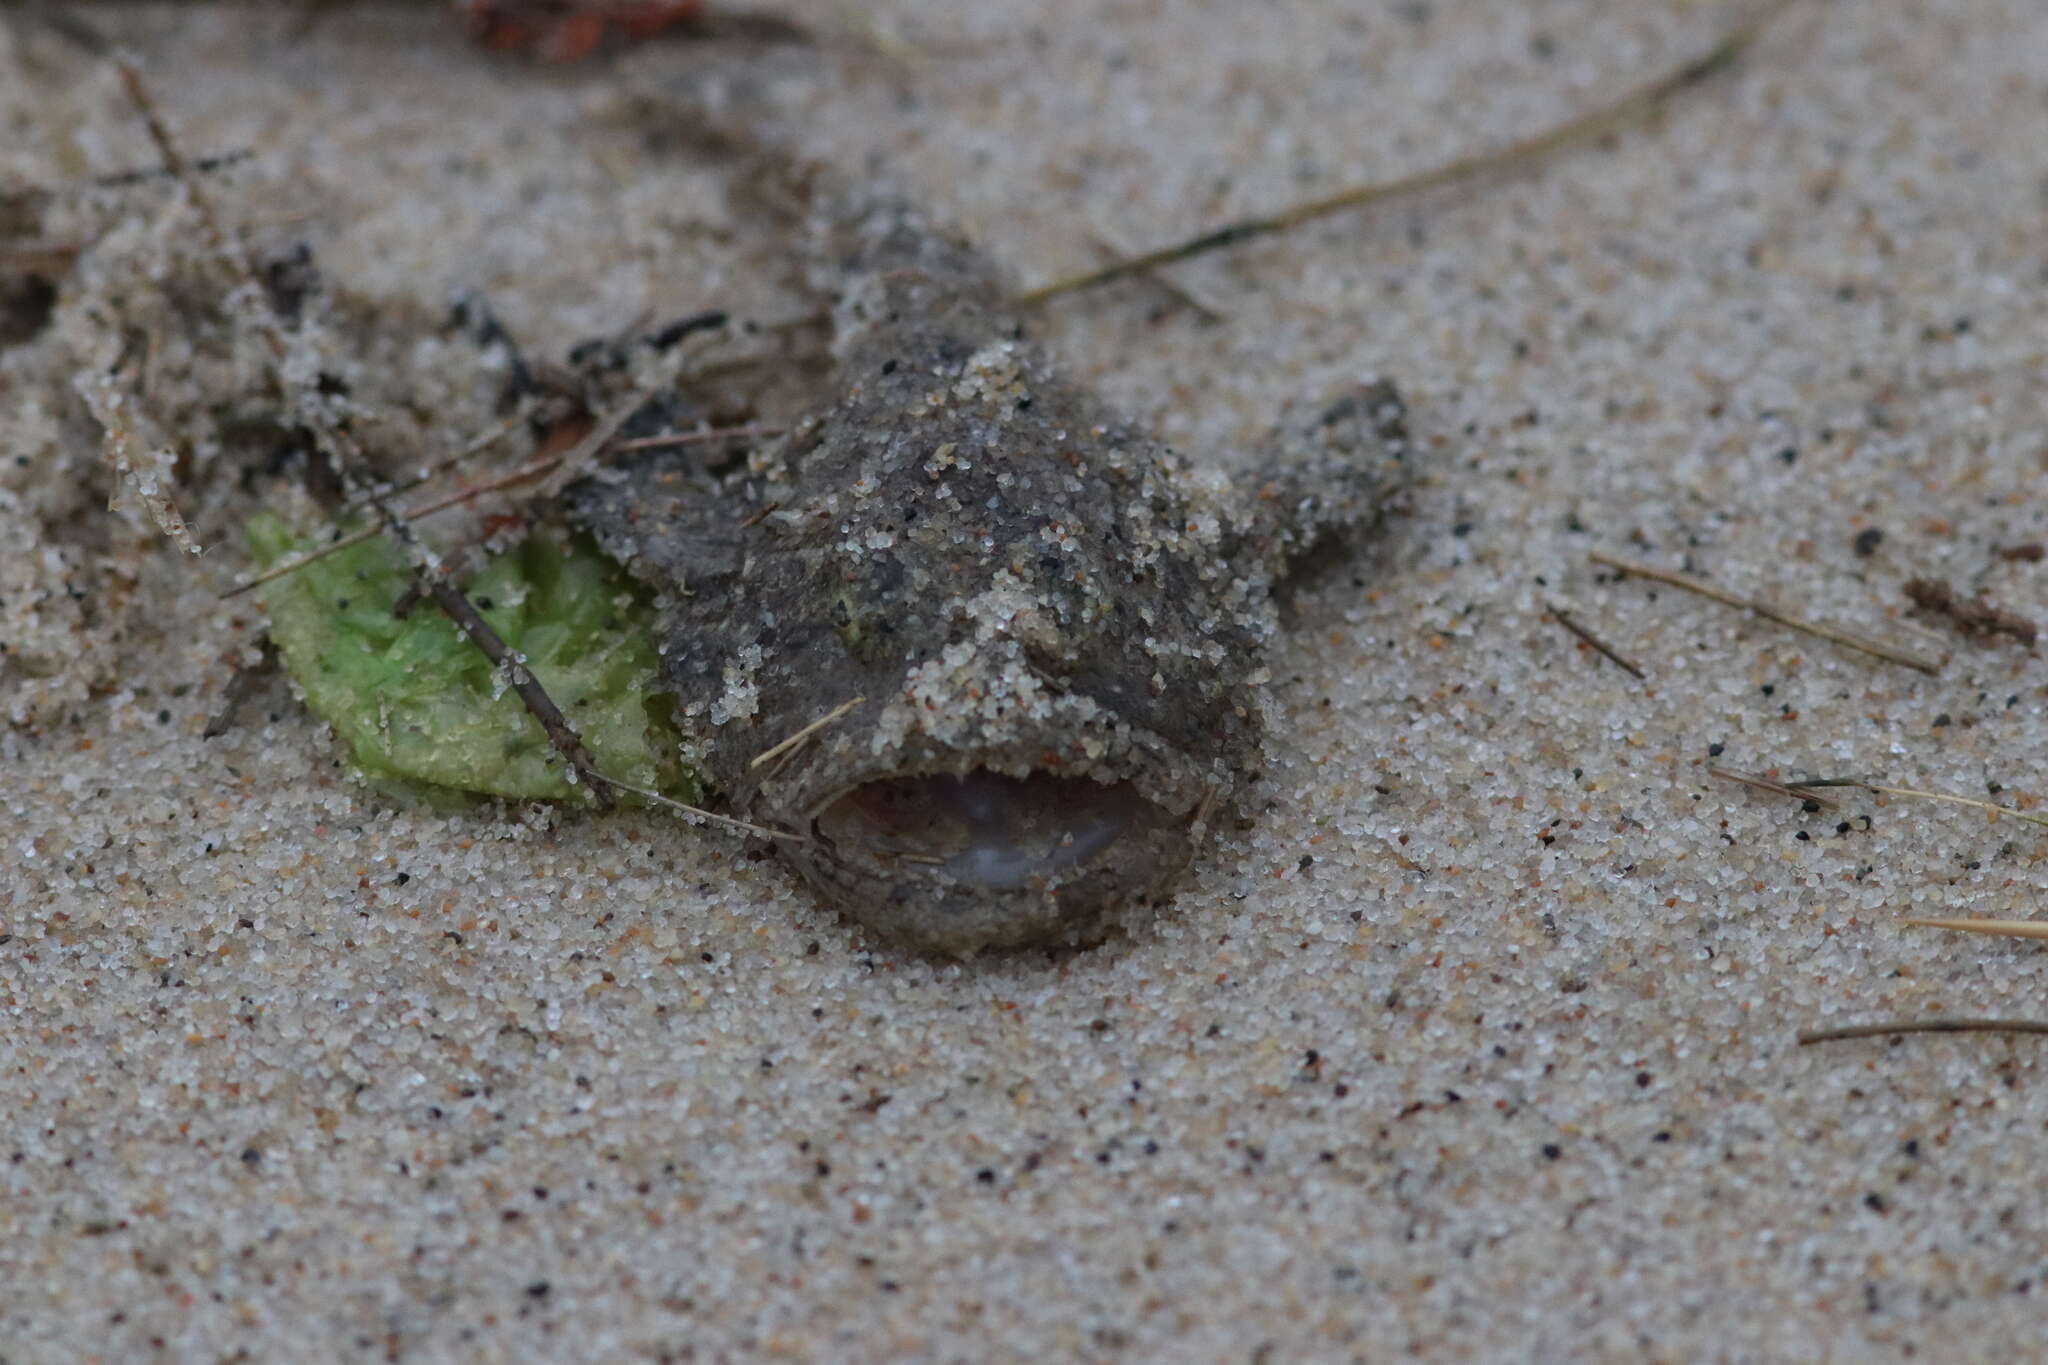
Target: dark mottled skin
(1015, 581)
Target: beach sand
(1477, 1044)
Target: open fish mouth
(985, 829)
(952, 861)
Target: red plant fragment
(570, 30)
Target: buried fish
(985, 657)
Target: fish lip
(956, 906)
(899, 735)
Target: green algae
(417, 703)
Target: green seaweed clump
(417, 703)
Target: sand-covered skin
(1477, 1043)
(988, 659)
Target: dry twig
(750, 432)
(1637, 104)
(1765, 784)
(469, 450)
(575, 462)
(798, 739)
(309, 410)
(1989, 807)
(2001, 928)
(783, 836)
(1808, 1037)
(1600, 646)
(1847, 639)
(532, 469)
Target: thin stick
(1117, 251)
(781, 836)
(201, 166)
(512, 666)
(1808, 1037)
(800, 737)
(1606, 651)
(2002, 928)
(1804, 791)
(354, 471)
(1847, 639)
(1637, 104)
(889, 851)
(469, 493)
(468, 451)
(1969, 801)
(1797, 793)
(575, 461)
(705, 437)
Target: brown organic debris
(310, 411)
(1971, 615)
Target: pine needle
(796, 740)
(1637, 104)
(781, 836)
(1770, 612)
(1970, 801)
(2003, 928)
(1764, 784)
(533, 469)
(1808, 1037)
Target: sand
(1478, 1044)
